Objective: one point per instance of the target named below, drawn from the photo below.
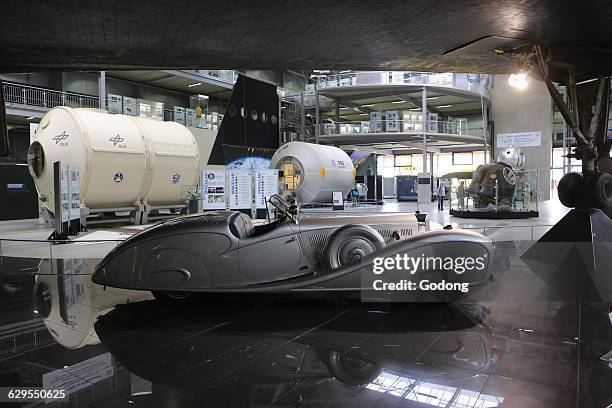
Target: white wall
(529, 110)
(205, 138)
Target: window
(403, 160)
(36, 159)
(463, 158)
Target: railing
(229, 76)
(512, 233)
(59, 249)
(19, 94)
(478, 83)
(405, 126)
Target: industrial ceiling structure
(441, 36)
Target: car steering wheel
(286, 209)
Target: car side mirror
(4, 142)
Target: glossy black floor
(516, 343)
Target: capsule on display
(314, 171)
(123, 160)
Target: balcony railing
(18, 94)
(400, 126)
(229, 76)
(478, 83)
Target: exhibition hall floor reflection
(513, 344)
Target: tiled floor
(521, 341)
(515, 343)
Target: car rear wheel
(350, 244)
(174, 298)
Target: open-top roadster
(223, 251)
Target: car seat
(241, 225)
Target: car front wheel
(351, 243)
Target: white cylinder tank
(318, 170)
(123, 160)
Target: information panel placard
(522, 139)
(240, 189)
(213, 191)
(71, 198)
(266, 185)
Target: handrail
(478, 83)
(399, 126)
(229, 76)
(499, 227)
(21, 94)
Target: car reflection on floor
(112, 347)
(290, 353)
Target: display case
(516, 197)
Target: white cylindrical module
(123, 160)
(319, 170)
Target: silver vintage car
(223, 251)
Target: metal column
(303, 117)
(102, 90)
(566, 134)
(317, 129)
(337, 116)
(424, 110)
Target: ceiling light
(30, 118)
(586, 81)
(414, 109)
(345, 72)
(518, 81)
(444, 106)
(366, 105)
(192, 85)
(398, 102)
(363, 114)
(432, 97)
(343, 107)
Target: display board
(33, 129)
(115, 104)
(521, 139)
(240, 189)
(190, 117)
(338, 200)
(71, 197)
(266, 184)
(179, 115)
(392, 121)
(376, 122)
(80, 375)
(18, 196)
(213, 191)
(129, 106)
(407, 188)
